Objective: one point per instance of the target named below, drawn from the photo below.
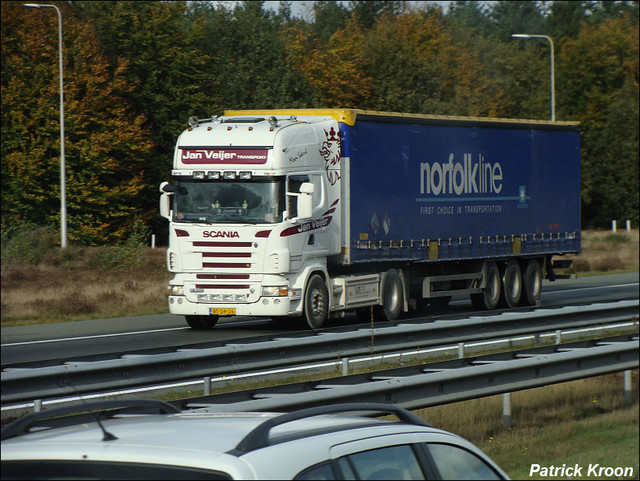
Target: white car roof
(241, 445)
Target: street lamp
(553, 98)
(63, 177)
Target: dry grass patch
(606, 252)
(46, 293)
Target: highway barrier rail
(78, 377)
(433, 384)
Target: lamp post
(553, 98)
(63, 177)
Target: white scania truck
(313, 213)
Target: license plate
(222, 311)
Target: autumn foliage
(134, 72)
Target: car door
(380, 457)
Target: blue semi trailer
(314, 212)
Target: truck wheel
(202, 322)
(489, 298)
(531, 284)
(512, 284)
(392, 296)
(316, 302)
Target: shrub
(27, 244)
(125, 257)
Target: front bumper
(266, 307)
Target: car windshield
(229, 202)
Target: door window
(457, 463)
(393, 462)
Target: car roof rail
(259, 436)
(60, 416)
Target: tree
(417, 67)
(333, 70)
(248, 65)
(105, 142)
(599, 72)
(169, 72)
(470, 14)
(367, 12)
(511, 17)
(565, 17)
(329, 16)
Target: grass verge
(80, 283)
(584, 422)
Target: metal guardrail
(72, 378)
(441, 383)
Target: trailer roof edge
(349, 117)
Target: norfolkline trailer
(315, 212)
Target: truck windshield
(229, 202)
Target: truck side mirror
(305, 201)
(167, 190)
(307, 188)
(167, 187)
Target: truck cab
(253, 211)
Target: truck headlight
(275, 291)
(176, 290)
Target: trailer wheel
(316, 302)
(489, 298)
(392, 296)
(532, 284)
(512, 284)
(201, 322)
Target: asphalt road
(101, 336)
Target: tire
(512, 284)
(531, 284)
(201, 322)
(489, 298)
(392, 299)
(316, 302)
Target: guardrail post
(345, 366)
(460, 350)
(506, 410)
(207, 386)
(37, 405)
(558, 336)
(628, 395)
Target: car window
(393, 462)
(457, 463)
(319, 471)
(50, 469)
